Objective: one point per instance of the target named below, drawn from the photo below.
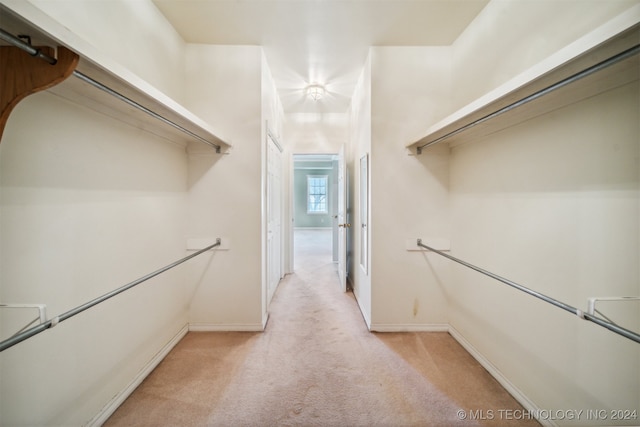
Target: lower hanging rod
(577, 76)
(10, 342)
(581, 314)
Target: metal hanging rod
(21, 44)
(585, 316)
(10, 342)
(140, 107)
(577, 76)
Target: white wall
(409, 195)
(87, 204)
(313, 133)
(565, 183)
(134, 34)
(509, 36)
(225, 197)
(554, 204)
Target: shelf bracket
(22, 75)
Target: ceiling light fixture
(315, 91)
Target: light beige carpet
(316, 364)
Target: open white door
(343, 225)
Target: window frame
(326, 195)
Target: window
(317, 194)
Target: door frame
(334, 223)
(268, 291)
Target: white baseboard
(410, 327)
(226, 327)
(499, 376)
(108, 410)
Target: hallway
(312, 251)
(316, 364)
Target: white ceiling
(319, 41)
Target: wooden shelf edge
(99, 67)
(607, 40)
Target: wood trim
(24, 75)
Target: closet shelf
(509, 104)
(21, 17)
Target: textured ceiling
(319, 41)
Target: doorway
(315, 211)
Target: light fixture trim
(315, 91)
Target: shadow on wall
(540, 148)
(200, 163)
(436, 160)
(84, 152)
